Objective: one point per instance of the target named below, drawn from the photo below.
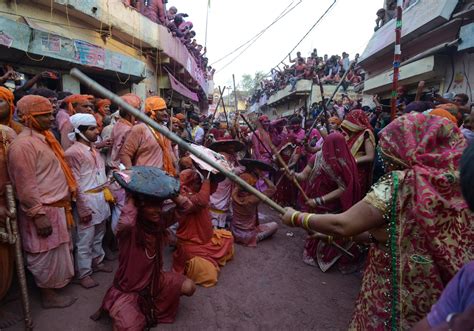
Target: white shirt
(88, 168)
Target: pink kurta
(64, 127)
(39, 181)
(142, 148)
(119, 134)
(259, 151)
(245, 225)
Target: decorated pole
(397, 54)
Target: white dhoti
(53, 268)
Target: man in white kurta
(92, 209)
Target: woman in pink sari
(333, 187)
(361, 141)
(419, 226)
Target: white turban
(81, 119)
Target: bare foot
(110, 255)
(97, 315)
(8, 319)
(51, 299)
(102, 267)
(87, 282)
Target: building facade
(437, 43)
(111, 42)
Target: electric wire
(258, 35)
(307, 33)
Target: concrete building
(437, 43)
(113, 43)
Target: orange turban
(101, 104)
(76, 98)
(444, 113)
(249, 178)
(32, 105)
(335, 120)
(180, 116)
(7, 95)
(132, 99)
(152, 104)
(185, 163)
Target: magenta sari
(333, 167)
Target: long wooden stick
(94, 86)
(287, 170)
(215, 111)
(99, 89)
(325, 108)
(256, 135)
(223, 106)
(237, 111)
(20, 269)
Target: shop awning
(177, 86)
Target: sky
(347, 27)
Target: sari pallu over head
(357, 124)
(430, 226)
(337, 168)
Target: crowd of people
(91, 180)
(327, 69)
(177, 25)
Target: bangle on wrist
(306, 222)
(299, 219)
(293, 217)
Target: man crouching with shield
(142, 294)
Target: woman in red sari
(361, 141)
(333, 187)
(201, 250)
(415, 217)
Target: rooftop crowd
(328, 69)
(393, 198)
(177, 24)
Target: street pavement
(263, 288)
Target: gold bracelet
(293, 217)
(306, 222)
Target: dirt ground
(263, 288)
